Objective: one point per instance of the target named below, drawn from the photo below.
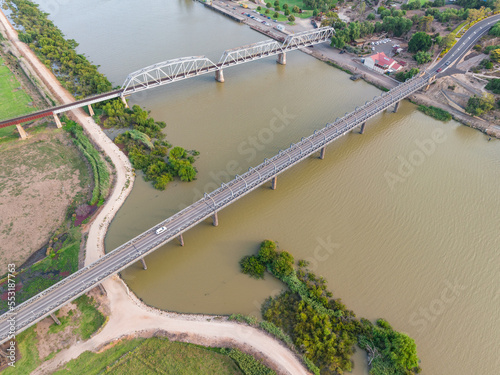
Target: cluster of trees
(403, 76)
(321, 327)
(389, 351)
(73, 70)
(280, 263)
(495, 30)
(320, 5)
(347, 33)
(422, 57)
(448, 14)
(479, 105)
(494, 85)
(144, 142)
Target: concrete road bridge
(53, 298)
(175, 70)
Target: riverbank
(128, 315)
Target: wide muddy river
(402, 221)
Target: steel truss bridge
(53, 298)
(170, 71)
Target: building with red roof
(381, 63)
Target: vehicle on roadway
(448, 63)
(161, 230)
(437, 71)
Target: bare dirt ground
(39, 178)
(129, 316)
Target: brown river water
(402, 221)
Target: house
(381, 63)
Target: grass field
(153, 356)
(13, 100)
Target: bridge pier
(215, 222)
(219, 76)
(322, 153)
(144, 264)
(22, 132)
(274, 182)
(124, 102)
(282, 58)
(103, 291)
(396, 107)
(91, 110)
(362, 128)
(181, 239)
(54, 318)
(58, 122)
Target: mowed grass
(152, 356)
(13, 100)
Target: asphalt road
(85, 279)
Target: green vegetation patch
(29, 358)
(99, 167)
(47, 272)
(159, 355)
(437, 113)
(322, 328)
(14, 101)
(91, 319)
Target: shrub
(371, 16)
(437, 113)
(251, 265)
(291, 18)
(494, 86)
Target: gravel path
(129, 316)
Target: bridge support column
(181, 239)
(91, 110)
(282, 58)
(322, 153)
(274, 182)
(362, 128)
(215, 219)
(144, 264)
(58, 122)
(125, 102)
(54, 318)
(103, 291)
(396, 107)
(219, 75)
(22, 132)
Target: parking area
(385, 45)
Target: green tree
(420, 41)
(291, 18)
(287, 12)
(276, 3)
(422, 57)
(315, 12)
(275, 15)
(268, 5)
(285, 6)
(494, 85)
(495, 30)
(277, 8)
(371, 16)
(296, 9)
(250, 265)
(259, 8)
(495, 55)
(478, 105)
(267, 252)
(362, 7)
(283, 264)
(267, 11)
(448, 41)
(163, 180)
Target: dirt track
(128, 315)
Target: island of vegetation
(144, 143)
(321, 328)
